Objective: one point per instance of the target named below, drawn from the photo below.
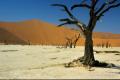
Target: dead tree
(29, 42)
(102, 45)
(68, 42)
(95, 13)
(76, 39)
(71, 41)
(5, 42)
(107, 44)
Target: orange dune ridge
(37, 32)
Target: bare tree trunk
(75, 41)
(88, 55)
(66, 45)
(74, 44)
(70, 44)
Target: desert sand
(37, 32)
(46, 62)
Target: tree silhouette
(76, 39)
(95, 13)
(69, 42)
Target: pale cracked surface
(46, 62)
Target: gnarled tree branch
(100, 9)
(112, 2)
(69, 21)
(104, 6)
(96, 1)
(80, 5)
(62, 24)
(107, 9)
(66, 10)
(72, 19)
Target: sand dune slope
(39, 32)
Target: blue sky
(19, 10)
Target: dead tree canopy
(71, 42)
(96, 11)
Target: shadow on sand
(10, 38)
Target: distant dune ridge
(43, 33)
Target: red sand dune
(38, 32)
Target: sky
(20, 10)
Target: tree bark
(88, 54)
